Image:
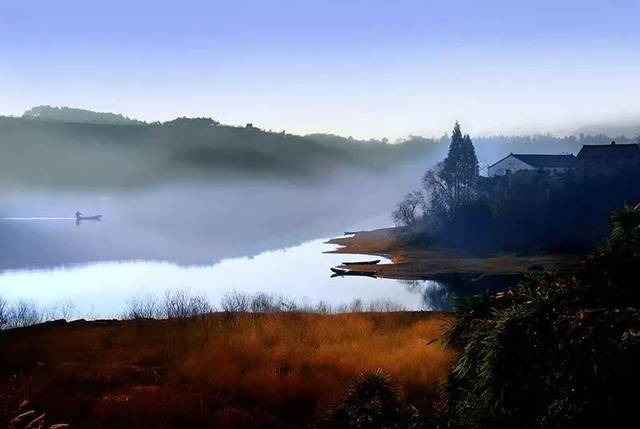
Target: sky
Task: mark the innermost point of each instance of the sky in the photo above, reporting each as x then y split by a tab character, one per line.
376	68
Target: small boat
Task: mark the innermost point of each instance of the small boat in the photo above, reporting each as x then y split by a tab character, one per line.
362	263
96	217
80	217
337	272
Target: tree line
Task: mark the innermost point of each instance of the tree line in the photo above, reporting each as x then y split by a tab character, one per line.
528	210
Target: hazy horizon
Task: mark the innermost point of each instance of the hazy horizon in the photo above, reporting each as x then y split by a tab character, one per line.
620	128
363	69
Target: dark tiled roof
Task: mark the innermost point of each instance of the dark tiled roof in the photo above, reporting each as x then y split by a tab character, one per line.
547	161
610	151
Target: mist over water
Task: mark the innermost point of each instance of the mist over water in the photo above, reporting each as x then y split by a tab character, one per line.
204	208
247	236
188	224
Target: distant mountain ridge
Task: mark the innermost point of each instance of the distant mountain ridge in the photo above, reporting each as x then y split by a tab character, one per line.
38	150
75	115
60	146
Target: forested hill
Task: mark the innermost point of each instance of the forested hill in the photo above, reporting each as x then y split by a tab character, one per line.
37	151
51	146
70	114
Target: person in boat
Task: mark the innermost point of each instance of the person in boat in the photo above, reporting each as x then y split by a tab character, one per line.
78	215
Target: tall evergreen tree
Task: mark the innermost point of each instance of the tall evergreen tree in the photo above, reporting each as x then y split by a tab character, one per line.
451	171
455	180
469	170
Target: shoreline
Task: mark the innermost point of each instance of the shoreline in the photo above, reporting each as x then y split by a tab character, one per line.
160	322
410	262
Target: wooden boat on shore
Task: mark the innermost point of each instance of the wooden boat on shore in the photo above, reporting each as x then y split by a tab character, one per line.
337	272
362	263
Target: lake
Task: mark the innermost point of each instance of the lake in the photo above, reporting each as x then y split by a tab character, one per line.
209	240
300	273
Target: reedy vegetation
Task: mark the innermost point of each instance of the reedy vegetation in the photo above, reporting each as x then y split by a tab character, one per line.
184	305
25	312
235	369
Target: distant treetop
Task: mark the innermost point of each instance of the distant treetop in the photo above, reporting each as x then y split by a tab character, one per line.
184	121
70	114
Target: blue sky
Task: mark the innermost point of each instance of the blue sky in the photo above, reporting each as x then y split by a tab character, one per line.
362	68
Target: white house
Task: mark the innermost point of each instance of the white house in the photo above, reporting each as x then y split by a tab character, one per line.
516	162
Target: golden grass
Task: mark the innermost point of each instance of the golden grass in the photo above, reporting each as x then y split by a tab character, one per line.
243	370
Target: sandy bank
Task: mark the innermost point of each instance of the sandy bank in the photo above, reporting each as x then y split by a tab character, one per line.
413	262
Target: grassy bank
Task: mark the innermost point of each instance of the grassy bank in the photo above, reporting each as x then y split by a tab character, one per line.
220	370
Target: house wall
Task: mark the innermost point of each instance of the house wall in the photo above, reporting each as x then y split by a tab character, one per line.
556	169
510	164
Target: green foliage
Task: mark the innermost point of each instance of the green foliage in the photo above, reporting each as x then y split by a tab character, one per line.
459	170
191	122
447	187
378	153
453	182
556	351
528	210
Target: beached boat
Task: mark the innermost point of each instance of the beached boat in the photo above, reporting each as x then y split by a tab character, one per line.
337	272
362	263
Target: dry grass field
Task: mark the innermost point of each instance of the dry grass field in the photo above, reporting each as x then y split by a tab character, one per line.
221	370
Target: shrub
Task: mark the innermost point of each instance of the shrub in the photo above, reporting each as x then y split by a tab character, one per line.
265	303
409	210
182	305
235	302
3	313
23	313
145	307
61	310
373	402
556	351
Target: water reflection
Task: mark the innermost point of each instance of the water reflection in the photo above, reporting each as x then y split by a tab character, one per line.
434	295
246	236
80	217
186	225
300	273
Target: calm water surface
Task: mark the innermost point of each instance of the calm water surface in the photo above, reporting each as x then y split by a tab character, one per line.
301	272
203	240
